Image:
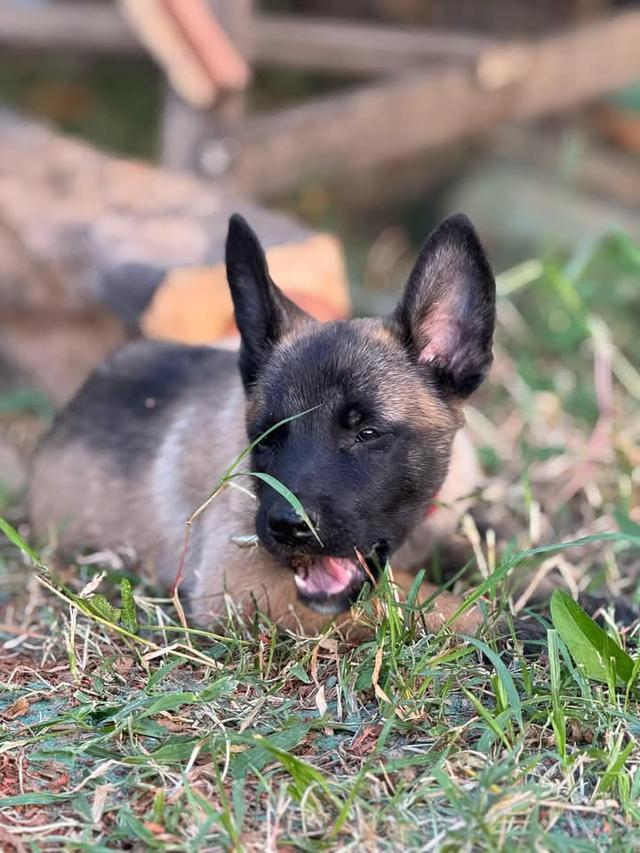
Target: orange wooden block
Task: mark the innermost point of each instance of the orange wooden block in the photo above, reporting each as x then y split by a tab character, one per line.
193	304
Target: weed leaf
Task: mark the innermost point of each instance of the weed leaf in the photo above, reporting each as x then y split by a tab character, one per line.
304	775
128	616
591	647
98	605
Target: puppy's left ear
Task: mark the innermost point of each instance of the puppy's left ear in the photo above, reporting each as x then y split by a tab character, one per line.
263	313
447	312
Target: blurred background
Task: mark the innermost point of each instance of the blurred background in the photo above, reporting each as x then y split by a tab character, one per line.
361	120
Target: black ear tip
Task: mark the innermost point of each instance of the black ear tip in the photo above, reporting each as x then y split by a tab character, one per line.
458	231
241	239
459	222
238	227
237	220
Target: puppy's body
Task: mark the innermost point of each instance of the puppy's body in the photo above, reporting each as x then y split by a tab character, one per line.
152	431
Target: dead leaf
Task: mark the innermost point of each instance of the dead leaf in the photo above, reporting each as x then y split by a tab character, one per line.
99	802
380	694
11	841
18	709
93	585
321	702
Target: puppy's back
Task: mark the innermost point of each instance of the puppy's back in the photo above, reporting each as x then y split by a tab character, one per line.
138	448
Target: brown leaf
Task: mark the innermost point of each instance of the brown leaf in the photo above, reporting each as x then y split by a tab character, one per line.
380	694
321	702
18	709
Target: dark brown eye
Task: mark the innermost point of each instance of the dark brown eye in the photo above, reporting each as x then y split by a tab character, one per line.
368	434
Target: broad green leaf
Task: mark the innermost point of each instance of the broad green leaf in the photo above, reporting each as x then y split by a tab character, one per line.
170	702
217	688
558	720
36	798
176	751
591	647
616	764
491	722
299	672
156	677
626	524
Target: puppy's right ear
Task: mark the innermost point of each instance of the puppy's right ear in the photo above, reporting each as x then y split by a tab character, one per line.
447	312
263	313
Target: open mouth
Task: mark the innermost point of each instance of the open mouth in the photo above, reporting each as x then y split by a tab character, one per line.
331	584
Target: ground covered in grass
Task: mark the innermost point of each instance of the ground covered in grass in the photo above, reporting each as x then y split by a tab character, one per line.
122	729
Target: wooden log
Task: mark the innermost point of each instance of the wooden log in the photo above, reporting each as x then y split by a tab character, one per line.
352	47
67	27
94	249
401	116
279	40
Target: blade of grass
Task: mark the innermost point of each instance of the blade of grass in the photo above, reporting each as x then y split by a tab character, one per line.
508	685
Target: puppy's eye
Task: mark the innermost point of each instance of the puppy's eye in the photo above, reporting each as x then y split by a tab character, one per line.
367	434
269	442
271	439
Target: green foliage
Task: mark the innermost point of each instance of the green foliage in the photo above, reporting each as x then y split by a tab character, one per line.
16	539
128	616
591	647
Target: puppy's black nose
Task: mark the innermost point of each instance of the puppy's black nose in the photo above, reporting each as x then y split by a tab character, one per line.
287	528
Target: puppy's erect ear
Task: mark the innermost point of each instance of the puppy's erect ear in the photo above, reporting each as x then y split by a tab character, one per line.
447	312
263	313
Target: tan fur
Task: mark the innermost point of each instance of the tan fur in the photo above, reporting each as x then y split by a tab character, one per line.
453	501
407	397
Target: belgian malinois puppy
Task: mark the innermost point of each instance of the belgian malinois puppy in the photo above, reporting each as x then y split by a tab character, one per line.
151	431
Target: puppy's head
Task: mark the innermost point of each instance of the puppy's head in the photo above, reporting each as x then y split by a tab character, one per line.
381	399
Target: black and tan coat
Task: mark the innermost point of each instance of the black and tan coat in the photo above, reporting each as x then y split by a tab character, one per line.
377	440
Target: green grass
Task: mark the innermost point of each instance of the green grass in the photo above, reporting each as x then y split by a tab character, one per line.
124	730
246	737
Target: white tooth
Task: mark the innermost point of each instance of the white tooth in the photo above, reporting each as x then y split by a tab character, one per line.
300	582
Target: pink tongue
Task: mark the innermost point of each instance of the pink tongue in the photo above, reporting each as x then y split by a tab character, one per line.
330	575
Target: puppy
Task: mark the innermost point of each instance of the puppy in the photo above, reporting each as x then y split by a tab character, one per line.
374	453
